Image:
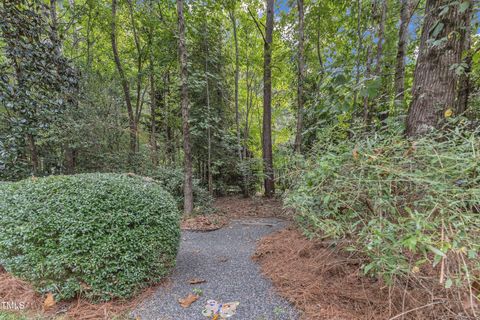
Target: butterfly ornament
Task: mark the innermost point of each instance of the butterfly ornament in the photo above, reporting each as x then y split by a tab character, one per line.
217	310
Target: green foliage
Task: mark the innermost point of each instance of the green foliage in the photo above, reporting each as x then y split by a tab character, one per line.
172	179
37	83
97	235
403	204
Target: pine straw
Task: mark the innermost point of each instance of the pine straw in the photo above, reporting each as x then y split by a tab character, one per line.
325	283
15	290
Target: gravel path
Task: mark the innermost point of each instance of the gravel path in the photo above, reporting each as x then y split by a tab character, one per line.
223	259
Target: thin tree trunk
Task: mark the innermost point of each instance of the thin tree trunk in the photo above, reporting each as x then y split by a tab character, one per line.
464	81
301	76
237	71
170	135
367	115
209	132
381	37
182	52
88	41
124	81
434	86
267	103
138	48
399	85
153	109
319	54
359	52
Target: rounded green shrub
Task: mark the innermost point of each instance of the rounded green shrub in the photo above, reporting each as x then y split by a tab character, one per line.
98	235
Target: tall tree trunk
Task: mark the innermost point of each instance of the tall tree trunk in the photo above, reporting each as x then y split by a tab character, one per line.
182	52
88	58
269	181
169	133
367	114
138	48
124	81
358	53
464	81
209	130
381	37
237	72
153	108
399	85
301	76
434	86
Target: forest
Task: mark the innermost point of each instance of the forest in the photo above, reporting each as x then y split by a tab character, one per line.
356	122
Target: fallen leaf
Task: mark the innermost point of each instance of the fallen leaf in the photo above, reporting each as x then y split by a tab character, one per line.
49	301
188	300
196	280
355	153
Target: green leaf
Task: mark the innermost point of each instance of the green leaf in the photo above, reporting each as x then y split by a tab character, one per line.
464	6
448	283
438	28
436	251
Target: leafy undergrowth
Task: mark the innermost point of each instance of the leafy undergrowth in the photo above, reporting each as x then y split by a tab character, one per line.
402	207
326	283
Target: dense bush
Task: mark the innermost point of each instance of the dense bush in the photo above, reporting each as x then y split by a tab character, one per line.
401	204
172	179
99	235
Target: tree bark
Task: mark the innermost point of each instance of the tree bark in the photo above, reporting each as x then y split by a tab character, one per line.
153	108
269	181
358	53
301	76
381	37
124	81
182	52
464	81
209	130
434	87
237	72
399	85
139	96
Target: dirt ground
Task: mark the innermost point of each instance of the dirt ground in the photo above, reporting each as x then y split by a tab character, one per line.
235	207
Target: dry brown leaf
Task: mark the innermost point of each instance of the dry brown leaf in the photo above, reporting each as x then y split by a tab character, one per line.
49	301
355	153
196	281
188	300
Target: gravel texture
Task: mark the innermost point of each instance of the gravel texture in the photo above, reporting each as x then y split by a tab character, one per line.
223	259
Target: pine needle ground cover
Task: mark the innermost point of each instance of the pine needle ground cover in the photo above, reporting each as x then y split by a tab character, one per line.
407	209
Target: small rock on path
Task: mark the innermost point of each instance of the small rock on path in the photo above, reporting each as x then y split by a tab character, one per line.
223	259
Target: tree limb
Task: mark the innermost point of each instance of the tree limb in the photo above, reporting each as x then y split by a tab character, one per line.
257	24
